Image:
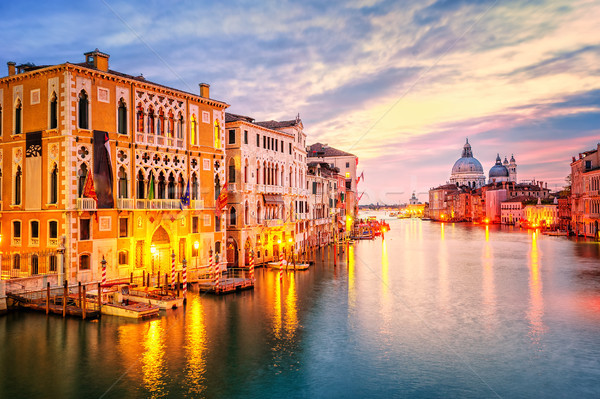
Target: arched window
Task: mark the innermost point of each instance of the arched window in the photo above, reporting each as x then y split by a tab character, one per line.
171	125
193	130
53	111
18	186
0	121
246	214
123	257
161	122
141	185
161	186
54	184
18	116
180	186
180	126
246	172
16	261
217	135
139	118
151	125
84	262
231	171
122	183
258	212
194	186
83	110
171	187
232	216
122	117
81	175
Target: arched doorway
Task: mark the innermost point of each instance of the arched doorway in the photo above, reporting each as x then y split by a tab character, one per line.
232	253
275	248
160	251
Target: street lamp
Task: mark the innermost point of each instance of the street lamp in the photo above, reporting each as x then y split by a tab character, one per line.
290	240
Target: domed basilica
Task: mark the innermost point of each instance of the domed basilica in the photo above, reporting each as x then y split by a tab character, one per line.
467	171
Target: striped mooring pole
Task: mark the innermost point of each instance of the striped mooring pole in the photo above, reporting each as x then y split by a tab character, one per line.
103	262
217	276
173	270
184	265
280	266
251	272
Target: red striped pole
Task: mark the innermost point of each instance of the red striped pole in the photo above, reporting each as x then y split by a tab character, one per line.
173	270
252	266
280	266
210	265
184	264
103	270
217	277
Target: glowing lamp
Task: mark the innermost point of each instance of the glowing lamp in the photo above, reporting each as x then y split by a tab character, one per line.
290	240
152	249
278	241
196	245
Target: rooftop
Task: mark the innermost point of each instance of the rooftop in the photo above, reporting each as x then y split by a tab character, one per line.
323	150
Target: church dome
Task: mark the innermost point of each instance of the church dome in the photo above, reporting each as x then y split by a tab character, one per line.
498	170
466	163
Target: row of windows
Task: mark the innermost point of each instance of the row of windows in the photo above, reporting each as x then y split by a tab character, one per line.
34	229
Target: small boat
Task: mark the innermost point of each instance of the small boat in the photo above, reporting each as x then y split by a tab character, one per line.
555	233
153	296
286	266
114	303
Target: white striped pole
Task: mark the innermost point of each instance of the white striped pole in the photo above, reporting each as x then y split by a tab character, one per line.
184	264
280	266
103	270
217	276
173	270
211	270
252	266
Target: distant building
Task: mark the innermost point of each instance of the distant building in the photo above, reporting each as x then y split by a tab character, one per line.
585	193
498	173
511	211
467	170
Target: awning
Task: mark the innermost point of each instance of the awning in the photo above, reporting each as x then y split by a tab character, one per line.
273	199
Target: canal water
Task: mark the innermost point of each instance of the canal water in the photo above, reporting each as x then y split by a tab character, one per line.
433	311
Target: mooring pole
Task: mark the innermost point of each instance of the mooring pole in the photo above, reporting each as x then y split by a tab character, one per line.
79	294
47	297
83	304
99	299
64	313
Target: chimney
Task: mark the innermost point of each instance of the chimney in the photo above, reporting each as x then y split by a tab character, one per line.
204	90
11	68
97	59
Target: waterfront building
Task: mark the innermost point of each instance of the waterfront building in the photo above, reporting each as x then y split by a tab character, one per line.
541	215
564	212
324	215
493	201
585	193
96	162
441	202
467	170
267	197
511	211
347	164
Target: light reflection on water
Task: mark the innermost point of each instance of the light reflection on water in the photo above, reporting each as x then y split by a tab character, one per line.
434	310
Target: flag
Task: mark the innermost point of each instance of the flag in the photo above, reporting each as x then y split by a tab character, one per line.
221	200
88	188
103	175
185	198
362	176
151	187
33	171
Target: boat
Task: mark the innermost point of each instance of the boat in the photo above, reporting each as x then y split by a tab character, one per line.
153	296
555	233
286	266
114	303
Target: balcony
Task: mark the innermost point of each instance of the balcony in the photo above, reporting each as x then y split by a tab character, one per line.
34	242
260	188
125	203
53	242
197	204
273	222
248	187
233	187
161	141
86	204
16	241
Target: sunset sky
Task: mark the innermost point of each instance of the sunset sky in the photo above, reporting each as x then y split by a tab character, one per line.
401	84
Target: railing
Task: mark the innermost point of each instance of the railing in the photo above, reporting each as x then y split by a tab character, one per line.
260	188
52	242
273	222
28	264
197	204
86	204
163	141
34	241
16	241
233	187
249	187
125	203
164	204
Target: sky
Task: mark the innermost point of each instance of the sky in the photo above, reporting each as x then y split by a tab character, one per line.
400	84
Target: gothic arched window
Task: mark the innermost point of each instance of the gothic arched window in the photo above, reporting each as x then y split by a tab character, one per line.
83	110
122	117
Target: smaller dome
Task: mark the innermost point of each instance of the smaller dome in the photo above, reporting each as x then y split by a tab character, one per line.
498	170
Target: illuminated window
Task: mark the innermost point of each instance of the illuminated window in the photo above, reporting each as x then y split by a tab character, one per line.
347	175
151	125
123	258
139	117
217	135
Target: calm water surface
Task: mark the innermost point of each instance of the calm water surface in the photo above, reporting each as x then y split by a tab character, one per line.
433	311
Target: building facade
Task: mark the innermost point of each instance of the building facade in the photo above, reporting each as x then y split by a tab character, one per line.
71	129
267	200
585	194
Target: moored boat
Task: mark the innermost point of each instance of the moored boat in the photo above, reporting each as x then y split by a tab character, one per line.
290	266
153	296
114	303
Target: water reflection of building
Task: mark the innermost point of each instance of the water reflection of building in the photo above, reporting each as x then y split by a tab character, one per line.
140	143
585	193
